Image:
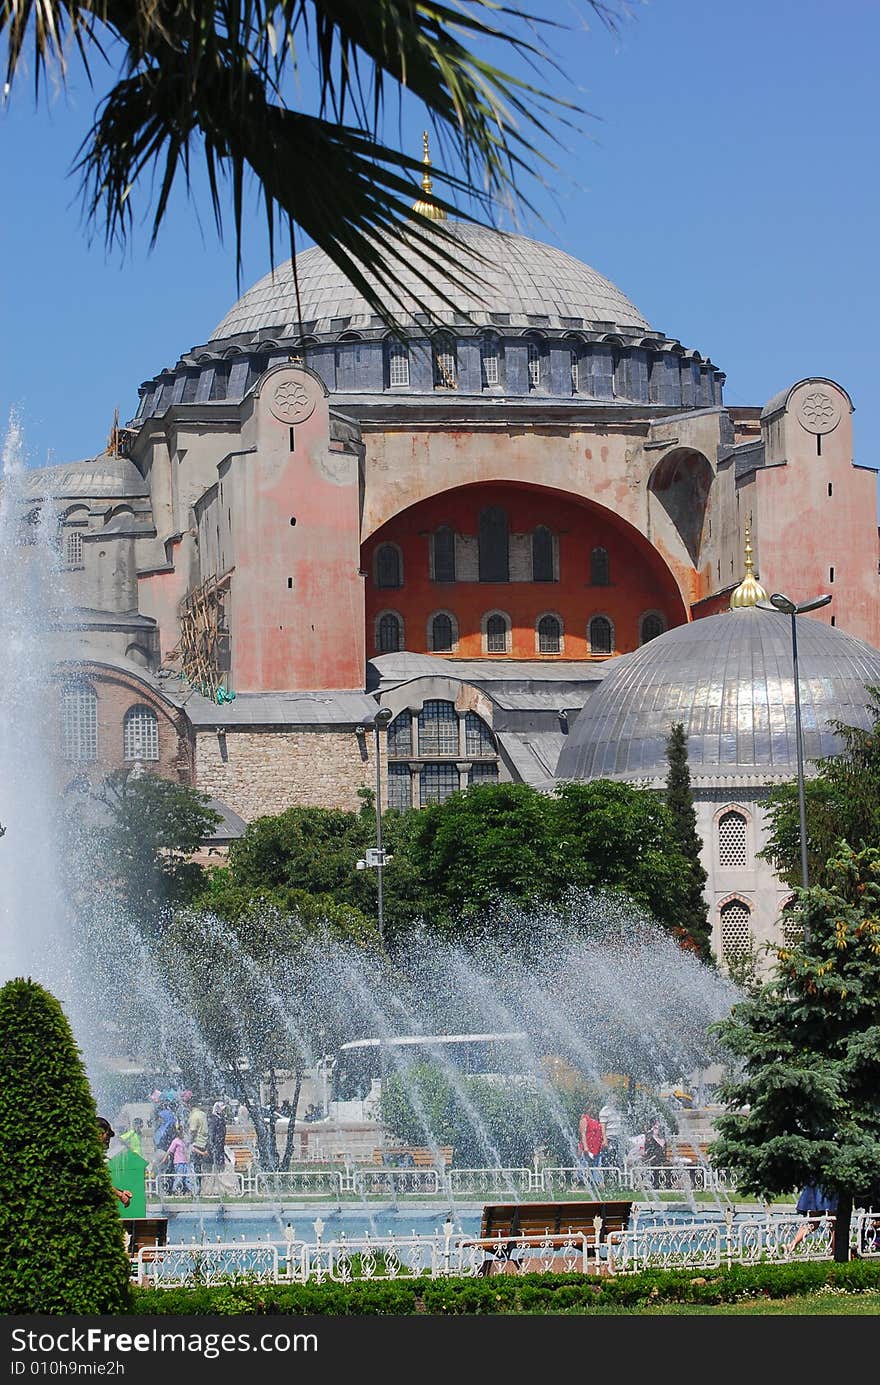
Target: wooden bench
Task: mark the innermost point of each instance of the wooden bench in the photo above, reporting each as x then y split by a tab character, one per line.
549	1224
420	1156
241	1148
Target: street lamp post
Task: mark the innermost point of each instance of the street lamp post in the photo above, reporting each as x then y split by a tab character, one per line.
793	609
380	722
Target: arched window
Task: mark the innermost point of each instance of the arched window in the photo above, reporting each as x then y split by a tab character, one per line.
398	365
600	568
389	633
490	362
652	626
732	841
399	787
443	355
437	783
444	554
140	734
79	721
400	736
792	924
443	633
72	552
389	568
497	634
535	354
736	932
542	554
549	635
479	740
575	370
438	728
601	635
494	561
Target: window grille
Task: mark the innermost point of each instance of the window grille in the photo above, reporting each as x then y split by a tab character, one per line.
652	626
489	364
140	734
438	729
601	635
445	377
398	365
388	566
494	560
390	639
736	934
792	927
483	774
73	548
534	352
437	783
79	722
600	568
542	555
479	740
444	555
442	634
399	787
732	849
400	736
549	635
496	635
575	376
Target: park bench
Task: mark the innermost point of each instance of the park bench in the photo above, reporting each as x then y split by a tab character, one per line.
420	1156
560	1225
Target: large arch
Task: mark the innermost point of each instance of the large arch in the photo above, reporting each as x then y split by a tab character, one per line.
681	481
640	579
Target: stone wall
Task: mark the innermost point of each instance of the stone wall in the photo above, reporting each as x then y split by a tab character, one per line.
259	772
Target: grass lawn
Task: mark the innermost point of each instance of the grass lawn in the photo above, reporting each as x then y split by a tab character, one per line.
812	1305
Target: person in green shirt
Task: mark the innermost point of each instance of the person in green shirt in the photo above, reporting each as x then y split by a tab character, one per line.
133	1137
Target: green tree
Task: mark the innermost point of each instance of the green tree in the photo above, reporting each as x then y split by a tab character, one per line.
842	803
804	1106
146	836
694	922
63	1249
224	80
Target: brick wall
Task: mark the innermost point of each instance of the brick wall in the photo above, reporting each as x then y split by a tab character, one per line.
116	692
257	772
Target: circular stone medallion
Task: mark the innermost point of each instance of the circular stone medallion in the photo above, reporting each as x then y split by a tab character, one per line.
292	402
818	412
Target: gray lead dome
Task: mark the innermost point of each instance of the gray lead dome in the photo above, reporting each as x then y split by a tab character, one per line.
728	679
521	279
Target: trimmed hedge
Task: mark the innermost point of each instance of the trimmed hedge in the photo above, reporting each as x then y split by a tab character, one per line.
530	1293
63	1247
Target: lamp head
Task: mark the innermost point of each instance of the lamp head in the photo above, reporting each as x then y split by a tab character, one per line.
383	716
814	603
783	603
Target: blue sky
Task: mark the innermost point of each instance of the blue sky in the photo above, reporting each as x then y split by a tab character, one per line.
728	185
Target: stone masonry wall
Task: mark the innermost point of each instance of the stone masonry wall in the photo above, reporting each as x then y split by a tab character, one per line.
257	772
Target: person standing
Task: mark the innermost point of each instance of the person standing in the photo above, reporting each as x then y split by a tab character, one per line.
105	1135
133	1137
591	1142
612	1122
180	1159
654	1152
198	1139
217	1136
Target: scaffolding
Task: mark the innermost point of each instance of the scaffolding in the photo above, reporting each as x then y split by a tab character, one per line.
203	650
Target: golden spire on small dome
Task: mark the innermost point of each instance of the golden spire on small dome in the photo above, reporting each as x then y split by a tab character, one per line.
429	209
749	592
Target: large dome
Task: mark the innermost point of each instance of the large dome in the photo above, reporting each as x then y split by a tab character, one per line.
524	283
728	678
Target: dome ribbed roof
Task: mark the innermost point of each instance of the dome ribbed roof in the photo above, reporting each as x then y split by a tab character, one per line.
522	278
728	678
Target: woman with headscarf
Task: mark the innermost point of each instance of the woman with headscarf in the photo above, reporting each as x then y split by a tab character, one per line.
217	1135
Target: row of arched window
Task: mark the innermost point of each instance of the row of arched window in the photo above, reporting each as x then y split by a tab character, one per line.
496	629
493	556
459	746
444	363
79	727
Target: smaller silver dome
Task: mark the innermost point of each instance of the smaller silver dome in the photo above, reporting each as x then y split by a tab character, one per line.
102	477
729	680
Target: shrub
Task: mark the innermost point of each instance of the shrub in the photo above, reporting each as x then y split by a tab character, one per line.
59	1224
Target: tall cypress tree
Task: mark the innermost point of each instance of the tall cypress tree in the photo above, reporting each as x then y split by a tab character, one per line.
693	930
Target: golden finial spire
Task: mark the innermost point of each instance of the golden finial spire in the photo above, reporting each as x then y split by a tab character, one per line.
749	592
429	209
